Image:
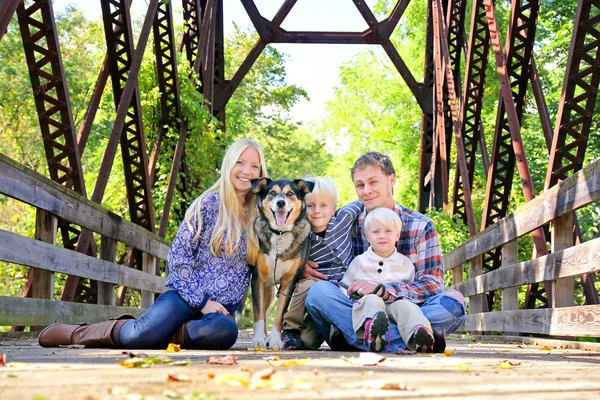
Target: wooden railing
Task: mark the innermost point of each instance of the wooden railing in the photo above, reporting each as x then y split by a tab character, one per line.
51	201
555	206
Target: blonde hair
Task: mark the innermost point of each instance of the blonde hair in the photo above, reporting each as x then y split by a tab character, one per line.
323	187
233	217
385	217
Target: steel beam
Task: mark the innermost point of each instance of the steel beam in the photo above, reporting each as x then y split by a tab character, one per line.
7	10
508	147
444	64
471	106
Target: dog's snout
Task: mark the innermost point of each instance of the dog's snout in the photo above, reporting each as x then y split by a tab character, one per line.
280	203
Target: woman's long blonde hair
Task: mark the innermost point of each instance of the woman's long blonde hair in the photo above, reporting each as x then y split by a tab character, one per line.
233	216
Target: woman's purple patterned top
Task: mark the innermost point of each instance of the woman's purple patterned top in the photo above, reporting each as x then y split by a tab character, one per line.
198	275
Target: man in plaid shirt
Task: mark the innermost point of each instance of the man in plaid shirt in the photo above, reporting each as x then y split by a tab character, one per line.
374	177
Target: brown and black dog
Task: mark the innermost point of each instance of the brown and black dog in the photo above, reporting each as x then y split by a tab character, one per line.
284	242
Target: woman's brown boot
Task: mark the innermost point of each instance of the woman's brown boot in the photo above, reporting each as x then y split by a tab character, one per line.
94	335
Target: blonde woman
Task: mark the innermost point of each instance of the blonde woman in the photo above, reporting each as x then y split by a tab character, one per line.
209	275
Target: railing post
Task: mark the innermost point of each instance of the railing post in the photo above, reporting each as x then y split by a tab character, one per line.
46	225
148	266
562	238
42	285
510	296
457	274
108	252
478	302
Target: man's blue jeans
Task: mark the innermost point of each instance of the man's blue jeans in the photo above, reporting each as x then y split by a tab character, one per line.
327	305
169	312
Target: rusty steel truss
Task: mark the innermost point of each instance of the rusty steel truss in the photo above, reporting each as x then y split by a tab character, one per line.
451	101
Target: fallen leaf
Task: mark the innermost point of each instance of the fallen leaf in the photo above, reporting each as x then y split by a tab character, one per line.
545	348
367	373
177	378
377	384
462	367
222	360
180	363
275	383
505	351
72	346
17	364
301	384
447	353
11	375
289	363
365	359
432	368
211	375
173	348
271	358
263	373
232	379
2	360
139	362
170	394
504	365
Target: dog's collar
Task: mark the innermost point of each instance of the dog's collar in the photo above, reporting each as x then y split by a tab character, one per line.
276	231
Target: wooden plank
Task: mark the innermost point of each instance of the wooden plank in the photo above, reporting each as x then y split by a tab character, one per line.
564	321
563	289
573	261
108	252
477	303
42	286
42	312
21	183
579	190
149	267
510	295
24	251
457	274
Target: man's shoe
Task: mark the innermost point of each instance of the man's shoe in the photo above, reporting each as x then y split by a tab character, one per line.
337	341
377	332
292	340
439	341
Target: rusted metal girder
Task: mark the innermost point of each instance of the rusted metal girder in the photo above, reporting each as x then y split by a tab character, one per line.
7	10
427	188
444	69
128	126
192	18
576	107
508	149
578	98
471	106
46	71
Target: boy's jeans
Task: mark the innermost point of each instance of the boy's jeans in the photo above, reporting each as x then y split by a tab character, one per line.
327	306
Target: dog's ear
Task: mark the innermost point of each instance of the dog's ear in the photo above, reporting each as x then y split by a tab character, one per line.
259	184
304	186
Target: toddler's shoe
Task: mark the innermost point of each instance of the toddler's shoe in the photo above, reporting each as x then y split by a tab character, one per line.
421	340
377	332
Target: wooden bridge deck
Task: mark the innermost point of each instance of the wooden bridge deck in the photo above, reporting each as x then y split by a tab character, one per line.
542	369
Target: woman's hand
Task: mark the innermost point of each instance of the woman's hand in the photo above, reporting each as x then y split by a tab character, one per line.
310	272
213	306
362	287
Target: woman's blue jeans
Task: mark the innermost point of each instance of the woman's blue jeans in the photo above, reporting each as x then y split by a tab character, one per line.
327	305
169	312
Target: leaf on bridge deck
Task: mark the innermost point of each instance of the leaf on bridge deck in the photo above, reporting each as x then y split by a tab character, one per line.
289	363
222	360
365	359
173	348
2	360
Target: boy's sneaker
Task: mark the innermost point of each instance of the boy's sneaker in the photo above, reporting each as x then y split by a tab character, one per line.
376	332
440	341
291	339
422	340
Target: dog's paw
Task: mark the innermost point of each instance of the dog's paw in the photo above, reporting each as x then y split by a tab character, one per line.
259	340
275	340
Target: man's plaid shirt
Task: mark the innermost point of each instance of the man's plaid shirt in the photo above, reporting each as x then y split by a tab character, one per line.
418	241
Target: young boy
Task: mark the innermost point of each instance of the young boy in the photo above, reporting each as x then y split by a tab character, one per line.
381	264
331	249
